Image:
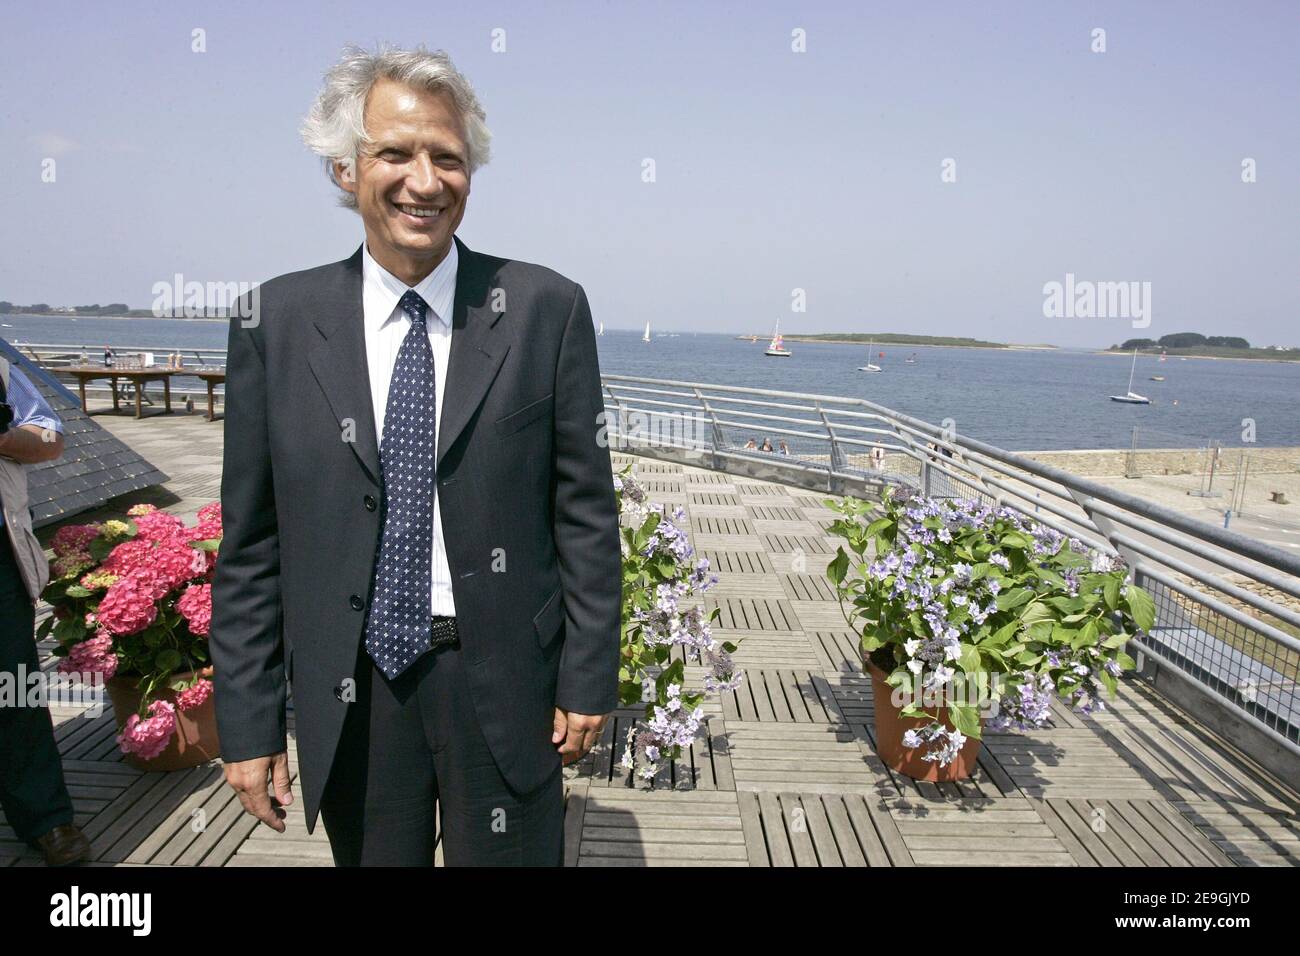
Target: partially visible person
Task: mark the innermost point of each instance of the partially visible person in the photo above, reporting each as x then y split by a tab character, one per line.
33	793
767	445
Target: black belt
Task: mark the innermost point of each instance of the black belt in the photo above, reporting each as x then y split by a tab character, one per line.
442	631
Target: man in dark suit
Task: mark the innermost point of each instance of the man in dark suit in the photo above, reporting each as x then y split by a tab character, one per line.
421	533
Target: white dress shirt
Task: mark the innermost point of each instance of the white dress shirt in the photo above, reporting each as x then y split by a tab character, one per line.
386	326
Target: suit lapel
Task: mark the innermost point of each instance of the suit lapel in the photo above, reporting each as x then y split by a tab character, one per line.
338	359
477	348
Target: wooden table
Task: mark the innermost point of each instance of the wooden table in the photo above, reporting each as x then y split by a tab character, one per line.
138	376
212	378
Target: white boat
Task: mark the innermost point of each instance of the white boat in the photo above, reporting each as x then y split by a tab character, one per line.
1132	398
870	366
601	330
646	336
777	347
910	360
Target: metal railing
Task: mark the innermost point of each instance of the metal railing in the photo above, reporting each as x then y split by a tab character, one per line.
1226	643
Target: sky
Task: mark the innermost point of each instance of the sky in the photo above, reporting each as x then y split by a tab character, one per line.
815	186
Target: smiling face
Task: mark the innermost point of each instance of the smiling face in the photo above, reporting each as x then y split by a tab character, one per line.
411	180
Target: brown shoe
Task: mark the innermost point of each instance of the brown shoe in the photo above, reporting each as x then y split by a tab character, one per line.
63	845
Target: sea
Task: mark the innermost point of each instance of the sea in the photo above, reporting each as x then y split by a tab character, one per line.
1018	399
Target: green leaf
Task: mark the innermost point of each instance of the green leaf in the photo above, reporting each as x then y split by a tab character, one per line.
969	659
69	629
1036	612
877	526
1111	589
167	660
77	591
838	567
871	640
1008	600
966	719
1141	607
1002	635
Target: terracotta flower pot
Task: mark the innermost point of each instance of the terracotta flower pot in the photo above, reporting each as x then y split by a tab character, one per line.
195	739
890	727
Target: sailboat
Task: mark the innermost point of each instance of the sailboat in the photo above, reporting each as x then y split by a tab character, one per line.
601	330
1132	398
910	360
870	366
777	348
646	336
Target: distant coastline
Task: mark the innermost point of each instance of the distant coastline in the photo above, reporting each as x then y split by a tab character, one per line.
132	314
1214	354
900	338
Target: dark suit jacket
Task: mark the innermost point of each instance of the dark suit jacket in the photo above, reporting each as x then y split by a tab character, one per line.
522	478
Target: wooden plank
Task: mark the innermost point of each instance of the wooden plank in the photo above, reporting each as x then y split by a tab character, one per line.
1063	833
845	836
1194	846
575	809
795	819
751	821
780	852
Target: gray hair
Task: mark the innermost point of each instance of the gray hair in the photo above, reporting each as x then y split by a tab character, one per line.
335	128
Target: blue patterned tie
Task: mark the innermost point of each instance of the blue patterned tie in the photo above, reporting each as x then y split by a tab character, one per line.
398	624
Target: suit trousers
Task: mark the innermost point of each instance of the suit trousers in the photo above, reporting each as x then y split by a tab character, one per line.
413	745
33	794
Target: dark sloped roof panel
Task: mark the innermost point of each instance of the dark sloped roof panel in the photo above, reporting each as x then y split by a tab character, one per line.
96	465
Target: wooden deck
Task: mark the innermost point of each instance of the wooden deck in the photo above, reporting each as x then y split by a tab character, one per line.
787	775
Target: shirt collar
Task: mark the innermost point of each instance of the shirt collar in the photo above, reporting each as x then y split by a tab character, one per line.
438	288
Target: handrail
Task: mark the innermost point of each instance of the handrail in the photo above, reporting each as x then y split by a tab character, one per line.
1156	541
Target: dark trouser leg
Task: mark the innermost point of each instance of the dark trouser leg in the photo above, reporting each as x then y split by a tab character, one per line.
32	792
378	806
484	822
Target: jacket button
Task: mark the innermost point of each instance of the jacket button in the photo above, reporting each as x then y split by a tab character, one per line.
370	502
356	602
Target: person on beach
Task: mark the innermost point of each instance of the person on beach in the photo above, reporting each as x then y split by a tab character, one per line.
421	529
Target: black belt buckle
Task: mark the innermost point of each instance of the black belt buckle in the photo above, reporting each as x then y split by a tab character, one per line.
442	632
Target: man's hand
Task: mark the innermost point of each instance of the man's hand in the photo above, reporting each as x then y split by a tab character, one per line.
576	733
248	779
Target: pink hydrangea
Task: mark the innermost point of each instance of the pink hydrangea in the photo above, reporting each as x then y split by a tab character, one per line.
160	527
70	564
98	581
192	697
149	737
128	556
195	606
93	656
209	523
174	564
74	539
129	605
